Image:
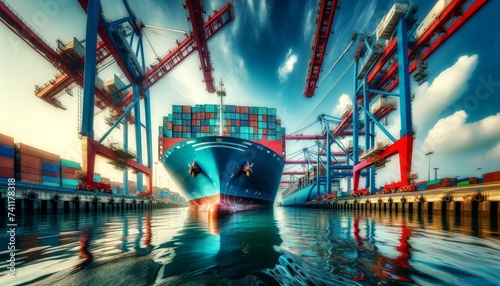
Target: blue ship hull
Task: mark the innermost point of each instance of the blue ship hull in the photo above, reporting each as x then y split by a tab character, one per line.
305	194
221	177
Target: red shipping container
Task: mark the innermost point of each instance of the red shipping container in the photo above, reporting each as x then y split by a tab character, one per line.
30	170
169	125
26	149
6	140
228	122
237	122
50	173
30	161
68	170
6	162
30	178
205	129
186	109
6	172
264	118
203	115
184	129
238	109
278	121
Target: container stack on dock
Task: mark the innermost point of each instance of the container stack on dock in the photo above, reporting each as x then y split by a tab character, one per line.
36	166
251	123
51	170
69	170
491	177
6	156
440	183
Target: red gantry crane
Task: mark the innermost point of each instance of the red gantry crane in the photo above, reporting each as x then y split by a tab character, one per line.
326	12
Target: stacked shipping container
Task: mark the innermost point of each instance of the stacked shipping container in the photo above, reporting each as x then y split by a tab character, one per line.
69	170
491	177
250	123
36	166
6	156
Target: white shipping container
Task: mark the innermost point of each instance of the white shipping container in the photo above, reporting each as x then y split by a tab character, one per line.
386	27
75	48
383	102
113	84
431	17
345	111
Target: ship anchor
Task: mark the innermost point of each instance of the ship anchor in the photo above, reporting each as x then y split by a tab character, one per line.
194	169
247	169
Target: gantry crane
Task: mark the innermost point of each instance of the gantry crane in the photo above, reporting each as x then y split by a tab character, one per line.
132	63
326	11
380	69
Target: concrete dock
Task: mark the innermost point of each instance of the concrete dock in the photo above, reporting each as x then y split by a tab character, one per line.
29	201
479	199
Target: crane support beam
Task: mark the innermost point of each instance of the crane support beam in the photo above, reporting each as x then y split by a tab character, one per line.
326	11
384	76
28	35
131	72
92	148
185	48
404	147
89	73
54	88
196	11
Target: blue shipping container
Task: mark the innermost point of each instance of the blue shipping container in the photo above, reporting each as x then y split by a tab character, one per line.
6	151
48	179
51	167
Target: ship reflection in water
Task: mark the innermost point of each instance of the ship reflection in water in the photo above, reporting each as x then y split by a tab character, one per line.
283	246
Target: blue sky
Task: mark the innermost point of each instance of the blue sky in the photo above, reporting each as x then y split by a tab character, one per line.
262	57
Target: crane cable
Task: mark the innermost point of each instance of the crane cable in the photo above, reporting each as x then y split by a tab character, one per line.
151	45
338	60
333	86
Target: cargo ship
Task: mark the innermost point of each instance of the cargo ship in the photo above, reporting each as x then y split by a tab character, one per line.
239	168
306	189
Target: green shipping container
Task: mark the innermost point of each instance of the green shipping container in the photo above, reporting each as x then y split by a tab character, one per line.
433	182
464	183
70	164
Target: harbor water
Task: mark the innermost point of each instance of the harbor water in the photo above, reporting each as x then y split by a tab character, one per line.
283	246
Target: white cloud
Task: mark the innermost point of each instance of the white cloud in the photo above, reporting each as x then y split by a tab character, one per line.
232	59
447	87
452	134
495	152
287	66
308	20
344	100
259	11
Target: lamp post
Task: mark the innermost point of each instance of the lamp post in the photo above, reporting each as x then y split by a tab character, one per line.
435	173
429	168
